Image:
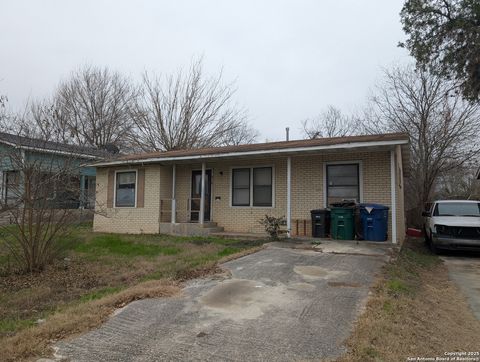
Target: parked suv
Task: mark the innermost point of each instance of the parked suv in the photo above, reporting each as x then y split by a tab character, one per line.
453	224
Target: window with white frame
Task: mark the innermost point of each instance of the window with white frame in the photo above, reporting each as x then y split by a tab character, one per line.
125	187
252	186
343	182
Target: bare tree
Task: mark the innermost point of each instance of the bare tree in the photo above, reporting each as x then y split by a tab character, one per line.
443	127
39	200
330	123
459	183
3	113
45	121
242	134
92	107
186	111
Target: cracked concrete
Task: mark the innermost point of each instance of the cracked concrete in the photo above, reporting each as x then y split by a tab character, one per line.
280	304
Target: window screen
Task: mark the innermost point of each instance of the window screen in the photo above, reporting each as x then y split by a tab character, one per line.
343	183
125	189
241	187
262	186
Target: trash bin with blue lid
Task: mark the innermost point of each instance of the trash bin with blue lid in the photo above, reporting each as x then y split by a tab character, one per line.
374	220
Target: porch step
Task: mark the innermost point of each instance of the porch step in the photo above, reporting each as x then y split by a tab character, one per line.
190	229
216	229
239	236
208	224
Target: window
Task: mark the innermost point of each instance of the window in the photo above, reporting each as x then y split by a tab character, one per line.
241	187
262	186
125	189
47	185
90	187
343	183
12	186
252	187
457	209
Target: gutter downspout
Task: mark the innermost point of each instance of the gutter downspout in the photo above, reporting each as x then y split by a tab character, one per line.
202	196
393	185
174	201
289	195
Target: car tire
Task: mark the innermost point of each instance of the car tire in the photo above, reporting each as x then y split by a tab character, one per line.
426	237
433	248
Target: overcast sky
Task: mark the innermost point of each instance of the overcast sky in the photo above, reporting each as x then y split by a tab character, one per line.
290	59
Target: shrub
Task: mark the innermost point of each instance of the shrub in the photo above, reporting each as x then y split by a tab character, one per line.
272	225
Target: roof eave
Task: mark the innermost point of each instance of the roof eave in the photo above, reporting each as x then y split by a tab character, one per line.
253	153
47	150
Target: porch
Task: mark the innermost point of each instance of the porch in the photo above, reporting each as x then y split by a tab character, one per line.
204	198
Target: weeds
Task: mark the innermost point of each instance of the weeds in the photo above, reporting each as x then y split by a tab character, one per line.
95	268
414	300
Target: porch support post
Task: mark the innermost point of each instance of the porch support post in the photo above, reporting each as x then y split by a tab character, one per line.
83	198
202	195
174	201
289	195
2	187
393	189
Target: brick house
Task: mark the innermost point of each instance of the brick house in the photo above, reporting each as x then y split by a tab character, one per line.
231	188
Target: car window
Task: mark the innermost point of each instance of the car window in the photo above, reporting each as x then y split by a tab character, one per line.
457	209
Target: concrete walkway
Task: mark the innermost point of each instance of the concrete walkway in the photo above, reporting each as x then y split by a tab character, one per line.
464	270
280	304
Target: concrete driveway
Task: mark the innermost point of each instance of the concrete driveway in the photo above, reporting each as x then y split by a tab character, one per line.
464	270
280	304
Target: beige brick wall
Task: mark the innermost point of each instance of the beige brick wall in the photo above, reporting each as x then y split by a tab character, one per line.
246	219
307	192
129	220
308	180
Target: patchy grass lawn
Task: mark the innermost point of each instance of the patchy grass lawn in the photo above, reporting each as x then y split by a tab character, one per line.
415	311
95	274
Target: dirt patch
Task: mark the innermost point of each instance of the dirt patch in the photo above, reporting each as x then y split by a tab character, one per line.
316	272
23	296
231	294
304	287
311	271
415	310
240	299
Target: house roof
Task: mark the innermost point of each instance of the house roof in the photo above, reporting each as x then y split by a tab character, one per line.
39	145
263	148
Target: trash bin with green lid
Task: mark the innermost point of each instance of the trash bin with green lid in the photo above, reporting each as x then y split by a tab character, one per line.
342	224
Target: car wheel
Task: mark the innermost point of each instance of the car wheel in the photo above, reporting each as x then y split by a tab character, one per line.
426	237
433	248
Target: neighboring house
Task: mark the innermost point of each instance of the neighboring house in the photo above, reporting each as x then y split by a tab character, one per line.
47	154
231	188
